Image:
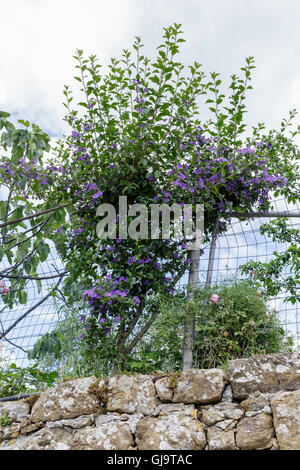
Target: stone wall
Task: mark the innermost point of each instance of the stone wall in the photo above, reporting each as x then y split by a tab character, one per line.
255	405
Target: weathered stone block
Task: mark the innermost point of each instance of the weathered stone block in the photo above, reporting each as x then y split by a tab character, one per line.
16	410
115	435
220	440
173	432
131	420
163	389
199	386
132	394
255	433
286	415
67	400
44	439
264	373
211	415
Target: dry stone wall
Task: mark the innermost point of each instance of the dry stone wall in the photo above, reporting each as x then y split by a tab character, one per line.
255	405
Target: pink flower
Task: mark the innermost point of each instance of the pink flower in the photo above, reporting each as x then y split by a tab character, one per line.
5	290
214	298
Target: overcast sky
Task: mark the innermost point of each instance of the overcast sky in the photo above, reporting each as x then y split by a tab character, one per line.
39	37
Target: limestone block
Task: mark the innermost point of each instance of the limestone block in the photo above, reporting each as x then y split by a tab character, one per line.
255	433
286	416
16	410
115	435
199	386
132	394
67	400
264	373
173	432
219	439
211	415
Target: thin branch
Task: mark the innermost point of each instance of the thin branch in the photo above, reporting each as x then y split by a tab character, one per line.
15	266
34	278
15	345
146	327
132	324
2	335
40	224
15	221
141	332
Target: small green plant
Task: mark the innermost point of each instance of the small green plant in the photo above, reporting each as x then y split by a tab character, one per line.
5	419
173	379
16	380
101	392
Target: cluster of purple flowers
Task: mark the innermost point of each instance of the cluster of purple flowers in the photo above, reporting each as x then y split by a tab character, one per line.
221	178
107	301
22	173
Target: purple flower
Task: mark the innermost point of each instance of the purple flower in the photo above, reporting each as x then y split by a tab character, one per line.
76	135
98	194
137	300
122	294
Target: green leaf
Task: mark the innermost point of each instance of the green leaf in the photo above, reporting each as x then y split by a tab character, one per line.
43	250
25	123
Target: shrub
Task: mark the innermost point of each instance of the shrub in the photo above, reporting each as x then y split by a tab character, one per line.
232	320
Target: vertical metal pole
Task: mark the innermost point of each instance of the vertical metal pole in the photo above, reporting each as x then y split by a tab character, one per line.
210	269
212	253
189	331
189	327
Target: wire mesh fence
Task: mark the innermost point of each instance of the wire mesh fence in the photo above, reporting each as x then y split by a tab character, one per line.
242	243
25	324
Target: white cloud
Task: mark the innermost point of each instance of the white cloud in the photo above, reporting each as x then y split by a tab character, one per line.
38	40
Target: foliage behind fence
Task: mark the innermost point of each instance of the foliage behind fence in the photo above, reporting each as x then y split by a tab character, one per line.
241	243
